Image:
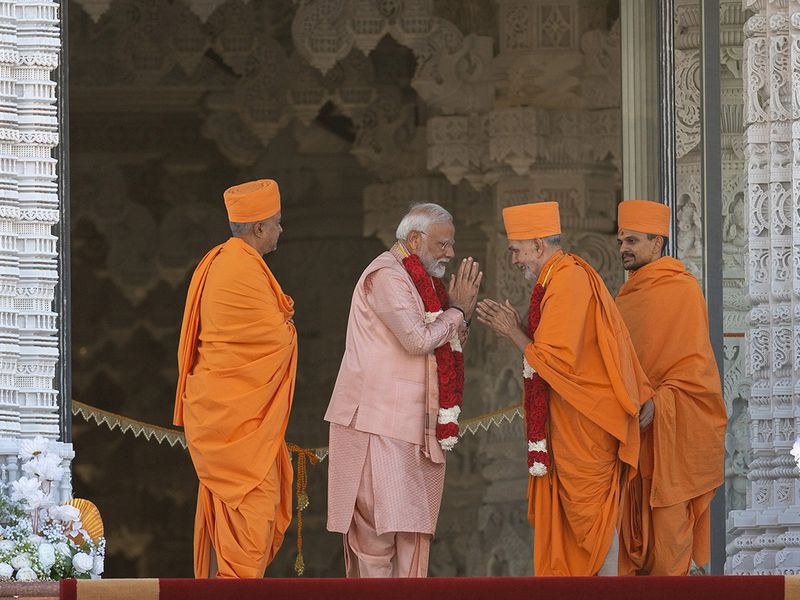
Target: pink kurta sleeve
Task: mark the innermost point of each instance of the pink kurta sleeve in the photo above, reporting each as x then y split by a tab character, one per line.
394	300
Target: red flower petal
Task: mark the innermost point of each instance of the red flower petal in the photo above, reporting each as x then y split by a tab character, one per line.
536	391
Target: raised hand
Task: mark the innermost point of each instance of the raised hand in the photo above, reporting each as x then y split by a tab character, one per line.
503	319
464	286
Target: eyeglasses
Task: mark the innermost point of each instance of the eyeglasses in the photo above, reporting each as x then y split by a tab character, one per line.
443	245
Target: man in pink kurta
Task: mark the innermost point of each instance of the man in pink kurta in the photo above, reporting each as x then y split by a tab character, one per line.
386	470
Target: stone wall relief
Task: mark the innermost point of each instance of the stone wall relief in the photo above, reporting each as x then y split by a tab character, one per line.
531	31
389	141
737	438
687	100
689	214
386	203
274	89
601	51
453	70
515	140
689	201
770	156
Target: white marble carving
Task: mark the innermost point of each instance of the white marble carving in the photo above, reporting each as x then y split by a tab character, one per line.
764	531
30	44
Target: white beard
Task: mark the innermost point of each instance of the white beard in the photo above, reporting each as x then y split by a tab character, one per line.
528	274
435	268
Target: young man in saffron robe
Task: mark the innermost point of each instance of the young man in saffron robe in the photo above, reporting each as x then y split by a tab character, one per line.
583	353
666	515
237	360
386	465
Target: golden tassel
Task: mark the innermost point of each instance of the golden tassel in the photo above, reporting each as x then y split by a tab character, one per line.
302	499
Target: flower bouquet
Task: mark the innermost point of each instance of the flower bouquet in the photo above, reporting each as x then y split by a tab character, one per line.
39	538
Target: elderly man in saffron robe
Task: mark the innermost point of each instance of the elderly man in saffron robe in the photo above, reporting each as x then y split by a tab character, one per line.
583	389
666	515
396	401
237	360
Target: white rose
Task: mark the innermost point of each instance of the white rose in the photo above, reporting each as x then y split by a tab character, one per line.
82	562
21	561
46	467
26	574
99	566
35	539
30	449
64	513
26	488
6	570
63	549
6	546
47	555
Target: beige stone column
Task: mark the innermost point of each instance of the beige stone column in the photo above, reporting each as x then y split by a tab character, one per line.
640	130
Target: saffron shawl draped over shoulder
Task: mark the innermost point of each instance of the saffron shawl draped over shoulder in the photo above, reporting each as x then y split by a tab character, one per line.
237	360
583	351
682	452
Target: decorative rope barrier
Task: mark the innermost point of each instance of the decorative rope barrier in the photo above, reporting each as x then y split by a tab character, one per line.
126	425
175	437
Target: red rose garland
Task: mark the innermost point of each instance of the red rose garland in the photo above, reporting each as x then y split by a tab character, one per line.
449	357
537	396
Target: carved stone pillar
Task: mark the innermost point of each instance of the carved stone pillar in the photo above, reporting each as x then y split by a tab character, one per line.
29	208
640	118
736	386
766	540
689	202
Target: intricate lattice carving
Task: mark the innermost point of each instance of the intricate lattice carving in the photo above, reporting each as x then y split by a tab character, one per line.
687	101
29	202
772	277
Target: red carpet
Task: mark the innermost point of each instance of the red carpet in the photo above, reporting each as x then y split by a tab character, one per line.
478	588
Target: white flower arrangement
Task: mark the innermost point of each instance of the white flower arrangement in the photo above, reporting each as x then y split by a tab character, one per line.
40	539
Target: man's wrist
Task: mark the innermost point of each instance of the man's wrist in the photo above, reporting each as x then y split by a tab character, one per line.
461	310
519	338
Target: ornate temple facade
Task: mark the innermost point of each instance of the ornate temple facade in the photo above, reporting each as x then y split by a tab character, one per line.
358	108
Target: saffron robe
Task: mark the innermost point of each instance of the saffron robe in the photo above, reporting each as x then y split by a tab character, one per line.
237	362
682	454
582	350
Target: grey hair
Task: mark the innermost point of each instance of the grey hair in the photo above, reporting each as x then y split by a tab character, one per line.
421	216
240	229
552	240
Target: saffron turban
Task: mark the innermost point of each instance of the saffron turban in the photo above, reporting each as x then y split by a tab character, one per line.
532	221
253	201
644	216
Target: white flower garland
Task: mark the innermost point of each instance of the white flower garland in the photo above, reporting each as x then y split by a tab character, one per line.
447	415
527	370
